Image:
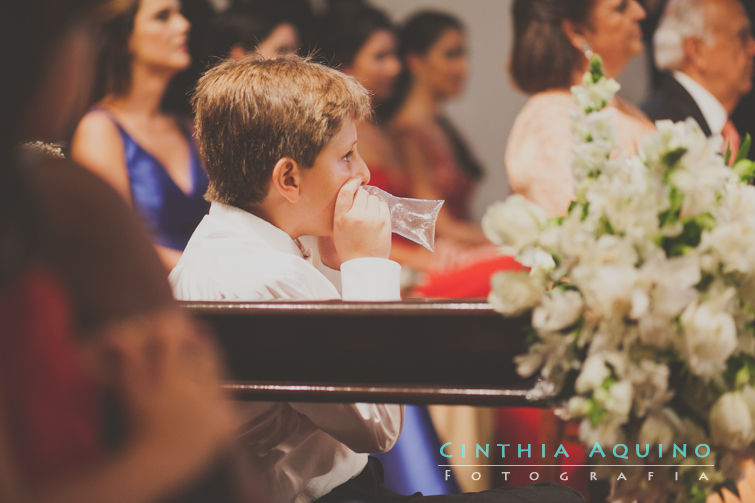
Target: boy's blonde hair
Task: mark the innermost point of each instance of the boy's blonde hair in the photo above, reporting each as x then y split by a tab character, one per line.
250	113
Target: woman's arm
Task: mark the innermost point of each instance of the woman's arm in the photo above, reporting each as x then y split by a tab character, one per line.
97	146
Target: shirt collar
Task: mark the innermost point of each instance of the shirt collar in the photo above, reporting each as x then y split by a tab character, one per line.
713	111
246	223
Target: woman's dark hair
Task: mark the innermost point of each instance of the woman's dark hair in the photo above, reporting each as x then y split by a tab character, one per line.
346	28
417	35
420	32
243	25
542	56
37	26
114	60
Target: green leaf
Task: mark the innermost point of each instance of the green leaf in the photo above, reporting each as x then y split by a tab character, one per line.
585	210
530	335
596	413
744	149
727	154
605	227
609	382
692	231
672	157
671	215
572	206
596	69
706	279
740	371
745	170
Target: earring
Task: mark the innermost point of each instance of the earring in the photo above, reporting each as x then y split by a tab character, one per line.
587	50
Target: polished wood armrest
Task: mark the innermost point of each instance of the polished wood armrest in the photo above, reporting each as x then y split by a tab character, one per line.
418	351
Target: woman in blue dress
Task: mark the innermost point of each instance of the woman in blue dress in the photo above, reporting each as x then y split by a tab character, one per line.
146	153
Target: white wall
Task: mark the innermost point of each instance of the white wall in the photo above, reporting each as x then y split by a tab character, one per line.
487	110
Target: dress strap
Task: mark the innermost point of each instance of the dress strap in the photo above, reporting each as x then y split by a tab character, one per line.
112	117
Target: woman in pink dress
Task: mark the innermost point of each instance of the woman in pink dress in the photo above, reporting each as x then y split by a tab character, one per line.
552	43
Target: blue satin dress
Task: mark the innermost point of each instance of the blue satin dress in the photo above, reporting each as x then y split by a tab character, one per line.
170	214
412	465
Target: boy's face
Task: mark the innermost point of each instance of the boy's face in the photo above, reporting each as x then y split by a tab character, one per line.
337	163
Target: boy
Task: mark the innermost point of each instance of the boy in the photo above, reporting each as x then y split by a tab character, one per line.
283	163
278	140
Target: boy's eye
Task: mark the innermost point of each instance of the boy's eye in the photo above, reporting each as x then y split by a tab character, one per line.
348	156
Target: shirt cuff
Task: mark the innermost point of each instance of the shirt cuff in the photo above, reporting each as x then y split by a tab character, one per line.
333	275
370	279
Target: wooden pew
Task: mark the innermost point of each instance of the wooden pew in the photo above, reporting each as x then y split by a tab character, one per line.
418	351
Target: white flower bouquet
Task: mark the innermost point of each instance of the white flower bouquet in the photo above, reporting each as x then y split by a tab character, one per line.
642	300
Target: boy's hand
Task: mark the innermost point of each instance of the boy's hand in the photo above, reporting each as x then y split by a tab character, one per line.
328	253
361	224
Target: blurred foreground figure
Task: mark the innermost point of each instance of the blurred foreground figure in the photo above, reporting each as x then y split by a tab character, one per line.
107	392
553	42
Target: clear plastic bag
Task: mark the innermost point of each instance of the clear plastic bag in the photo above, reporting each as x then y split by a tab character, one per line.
413	219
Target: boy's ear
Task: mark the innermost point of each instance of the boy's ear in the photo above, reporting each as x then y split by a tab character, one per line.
286	179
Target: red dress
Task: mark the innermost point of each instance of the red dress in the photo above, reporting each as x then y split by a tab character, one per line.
52	410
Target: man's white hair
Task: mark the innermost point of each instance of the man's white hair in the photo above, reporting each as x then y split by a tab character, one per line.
682	19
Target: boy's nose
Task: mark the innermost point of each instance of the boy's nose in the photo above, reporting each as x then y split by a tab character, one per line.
362	171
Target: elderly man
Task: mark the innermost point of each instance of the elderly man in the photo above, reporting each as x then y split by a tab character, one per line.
706	48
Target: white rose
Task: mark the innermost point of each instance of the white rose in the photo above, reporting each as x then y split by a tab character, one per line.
709	338
577	406
650	381
515	222
730	422
732	243
619	399
539	261
551	355
658	428
594	372
513	293
606	433
559	309
607	289
593	96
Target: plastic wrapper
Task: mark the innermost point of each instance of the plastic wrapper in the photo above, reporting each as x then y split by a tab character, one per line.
413	219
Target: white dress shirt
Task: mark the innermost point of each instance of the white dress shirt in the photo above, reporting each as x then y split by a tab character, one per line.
303	450
713	111
235	255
